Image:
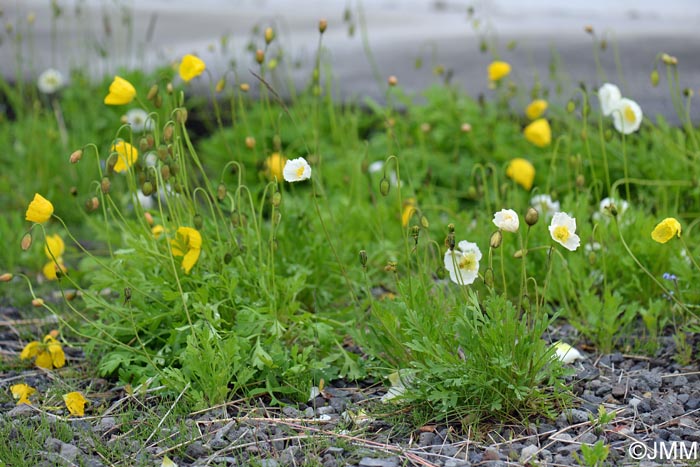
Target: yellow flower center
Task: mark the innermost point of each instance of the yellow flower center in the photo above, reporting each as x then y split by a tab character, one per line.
467	262
300	171
561	233
629	114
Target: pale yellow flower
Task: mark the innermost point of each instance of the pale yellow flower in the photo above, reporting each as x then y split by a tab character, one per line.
539	133
521	171
191	66
498	70
22	392
666	230
75	403
49	354
121	92
40	210
535	109
127	156
188	244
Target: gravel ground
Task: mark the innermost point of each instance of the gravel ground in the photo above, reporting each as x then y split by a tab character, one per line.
656	402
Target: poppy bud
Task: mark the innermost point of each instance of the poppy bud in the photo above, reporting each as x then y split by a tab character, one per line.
322	25
198	221
105	185
571	106
384	186
450	228
245	87
276	199
669	59
221	192
580	181
7	277
276	218
393	80
249	142
415	232
181	115
654	77
76	156
169	88
38	302
519	254
174	168
531	216
363	258
165	172
26	241
149	218
259	56
466	128
450	241
147	188
111	162
496	239
152	92
162	152
269	35
424	222
143	144
488	277
220	85
73	191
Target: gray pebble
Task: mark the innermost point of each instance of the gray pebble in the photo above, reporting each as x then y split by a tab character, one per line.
269	463
329	461
291	412
335	450
197	450
52	444
70	452
105	424
619	391
425	439
527	453
374	462
588	438
20	411
604	389
309	412
325	410
455	463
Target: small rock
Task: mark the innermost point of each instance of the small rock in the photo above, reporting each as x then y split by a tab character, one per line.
329	461
325	410
679	381
687	422
106	424
70	452
291	412
22	410
425	439
269	463
527	453
335	451
619	391
52	444
455	463
588	438
309	412
197	450
604	389
692	403
374	462
491	455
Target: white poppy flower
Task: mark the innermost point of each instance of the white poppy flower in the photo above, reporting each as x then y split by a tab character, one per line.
50	81
620	205
562	229
609	96
463	262
592	247
296	170
566	353
399	380
506	219
627	116
544	205
139	120
375	167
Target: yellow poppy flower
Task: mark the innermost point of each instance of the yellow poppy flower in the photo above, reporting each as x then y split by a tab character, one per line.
535	109
666	230
52	269
498	70
188	244
49	354
127	156
22	392
121	92
157	231
54	247
274	166
539	133
521	171
40	209
75	402
409	209
191	67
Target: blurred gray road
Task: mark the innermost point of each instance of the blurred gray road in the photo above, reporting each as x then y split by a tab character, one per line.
103	36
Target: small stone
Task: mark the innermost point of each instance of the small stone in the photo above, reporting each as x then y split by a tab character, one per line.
578	416
335	451
22	410
527	453
291	412
374	462
106	424
588	438
425	439
692	403
491	455
604	389
70	452
269	463
52	444
309	412
687	422
619	391
197	450
455	463
679	381
329	461
325	410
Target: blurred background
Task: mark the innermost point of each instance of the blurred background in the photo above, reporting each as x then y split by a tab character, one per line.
418	41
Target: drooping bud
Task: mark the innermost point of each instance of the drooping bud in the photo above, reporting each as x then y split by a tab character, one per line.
38	302
249	142
6	277
654	77
76	156
322	25
221	192
424	222
519	254
105	185
245	87
580	181
276	199
168	132
571	106
450	228
147	188
165	172
149	218
259	56
198	221
181	115
393	80
363	258
26	241
415	232
269	35
152	93
384	186
669	59
496	239
450	241
531	216
488	277
162	152
169	88
111	162
92	204
588	29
